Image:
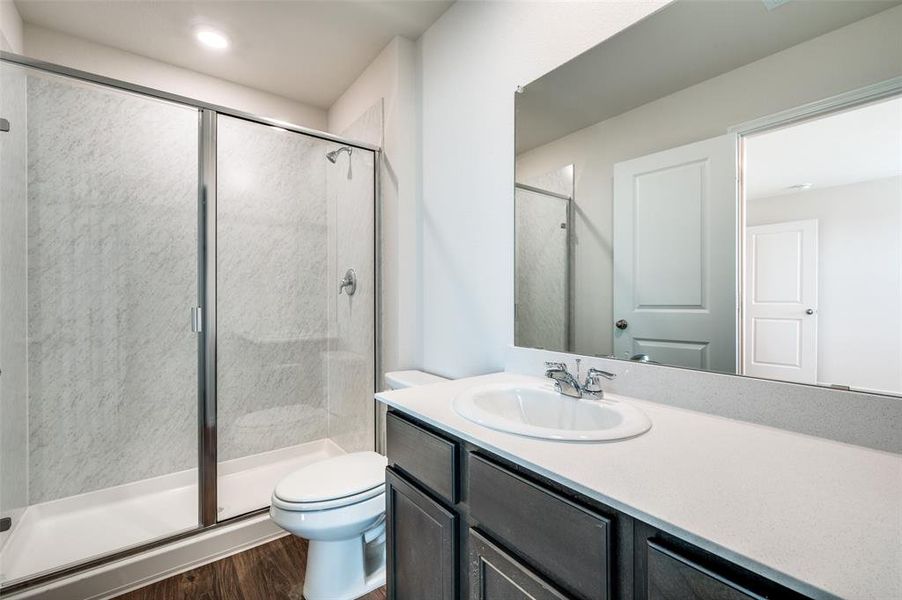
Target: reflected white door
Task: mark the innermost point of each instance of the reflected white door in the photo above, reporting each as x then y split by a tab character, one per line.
781	301
675	281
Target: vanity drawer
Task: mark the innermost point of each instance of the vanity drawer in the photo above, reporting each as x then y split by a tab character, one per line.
422	455
559	539
495	575
674	577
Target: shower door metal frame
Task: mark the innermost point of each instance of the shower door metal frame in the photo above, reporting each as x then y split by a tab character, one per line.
207	461
206	301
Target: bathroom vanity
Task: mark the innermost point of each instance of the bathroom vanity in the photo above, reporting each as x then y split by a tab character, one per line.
689	509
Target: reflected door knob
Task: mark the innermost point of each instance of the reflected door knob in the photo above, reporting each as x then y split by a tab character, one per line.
621	324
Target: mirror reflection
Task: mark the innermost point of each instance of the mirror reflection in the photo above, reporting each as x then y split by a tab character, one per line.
719	187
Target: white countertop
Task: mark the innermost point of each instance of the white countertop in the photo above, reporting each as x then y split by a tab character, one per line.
821	517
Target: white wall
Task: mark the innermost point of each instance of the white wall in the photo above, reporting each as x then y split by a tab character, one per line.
391	79
859	336
868	51
52	46
10	27
471	61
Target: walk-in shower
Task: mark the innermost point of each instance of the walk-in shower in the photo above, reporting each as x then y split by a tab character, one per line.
172	337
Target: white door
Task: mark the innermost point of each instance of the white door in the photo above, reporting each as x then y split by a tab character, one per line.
675	256
780	304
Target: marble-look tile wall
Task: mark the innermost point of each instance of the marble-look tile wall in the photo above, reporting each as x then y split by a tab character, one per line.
273	291
13	295
112	223
351	359
541	262
295	358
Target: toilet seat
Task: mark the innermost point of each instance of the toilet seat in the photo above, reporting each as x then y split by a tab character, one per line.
326	504
332	483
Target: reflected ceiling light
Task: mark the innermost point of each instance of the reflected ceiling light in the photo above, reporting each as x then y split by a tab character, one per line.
800	187
772	4
212	39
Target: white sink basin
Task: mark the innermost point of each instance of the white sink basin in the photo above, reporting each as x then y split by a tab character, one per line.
541	412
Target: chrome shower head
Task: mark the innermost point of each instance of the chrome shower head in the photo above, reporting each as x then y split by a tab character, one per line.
333	156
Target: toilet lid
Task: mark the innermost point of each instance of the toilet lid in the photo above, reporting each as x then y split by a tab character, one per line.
333	478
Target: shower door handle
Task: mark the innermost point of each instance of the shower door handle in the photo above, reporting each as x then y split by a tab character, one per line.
197	319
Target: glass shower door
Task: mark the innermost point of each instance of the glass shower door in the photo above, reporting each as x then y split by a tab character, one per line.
542	283
295	357
98	271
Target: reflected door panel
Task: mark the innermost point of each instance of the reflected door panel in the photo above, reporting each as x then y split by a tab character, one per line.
675	256
781	301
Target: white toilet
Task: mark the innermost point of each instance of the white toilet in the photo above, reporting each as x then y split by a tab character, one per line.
338	504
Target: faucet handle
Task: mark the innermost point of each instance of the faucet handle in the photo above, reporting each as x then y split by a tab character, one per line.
557	366
593	372
593	381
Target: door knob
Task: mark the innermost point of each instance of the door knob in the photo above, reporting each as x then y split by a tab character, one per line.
621	324
810	311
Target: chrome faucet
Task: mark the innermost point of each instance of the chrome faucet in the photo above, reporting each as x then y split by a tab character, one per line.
564	381
568	385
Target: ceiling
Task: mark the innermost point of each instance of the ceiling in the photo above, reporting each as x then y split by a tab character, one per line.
661	55
857	145
309	51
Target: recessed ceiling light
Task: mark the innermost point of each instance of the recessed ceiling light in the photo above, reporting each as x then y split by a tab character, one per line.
801	186
212	39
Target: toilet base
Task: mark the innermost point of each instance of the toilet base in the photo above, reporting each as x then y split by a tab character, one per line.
362	569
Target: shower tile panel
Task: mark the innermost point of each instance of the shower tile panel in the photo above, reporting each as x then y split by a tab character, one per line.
272	288
112	221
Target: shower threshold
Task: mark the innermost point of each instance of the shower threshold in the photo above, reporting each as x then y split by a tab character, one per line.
61	532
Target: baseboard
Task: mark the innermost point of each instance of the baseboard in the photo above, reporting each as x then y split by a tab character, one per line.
137	571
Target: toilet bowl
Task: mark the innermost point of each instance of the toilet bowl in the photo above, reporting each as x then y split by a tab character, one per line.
338	505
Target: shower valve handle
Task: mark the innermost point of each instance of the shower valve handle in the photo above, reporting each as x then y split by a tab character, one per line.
348	283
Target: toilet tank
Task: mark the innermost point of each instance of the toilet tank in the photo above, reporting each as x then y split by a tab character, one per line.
398	380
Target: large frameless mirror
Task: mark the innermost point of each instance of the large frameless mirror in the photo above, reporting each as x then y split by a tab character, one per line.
719	187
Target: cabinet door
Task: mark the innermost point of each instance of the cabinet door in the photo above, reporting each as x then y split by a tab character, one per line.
667	568
420	550
673	577
563	541
422	456
495	575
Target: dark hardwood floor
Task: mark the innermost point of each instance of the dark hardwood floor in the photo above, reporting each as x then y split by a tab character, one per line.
273	571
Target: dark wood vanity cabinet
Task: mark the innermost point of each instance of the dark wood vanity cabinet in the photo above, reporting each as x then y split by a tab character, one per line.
421	543
465	524
563	541
493	574
672	577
